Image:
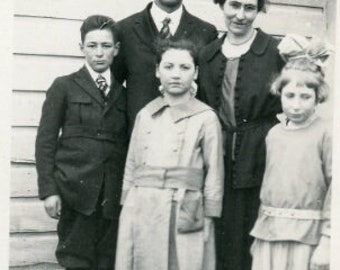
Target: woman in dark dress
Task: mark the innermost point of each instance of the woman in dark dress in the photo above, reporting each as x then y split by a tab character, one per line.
235	75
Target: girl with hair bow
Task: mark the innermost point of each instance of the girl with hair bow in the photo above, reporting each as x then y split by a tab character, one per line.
292	231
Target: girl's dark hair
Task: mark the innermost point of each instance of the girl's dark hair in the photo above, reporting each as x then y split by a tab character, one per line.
99	22
261	4
303	72
163	45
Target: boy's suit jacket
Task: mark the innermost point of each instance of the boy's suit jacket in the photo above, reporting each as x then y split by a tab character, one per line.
81	143
136	61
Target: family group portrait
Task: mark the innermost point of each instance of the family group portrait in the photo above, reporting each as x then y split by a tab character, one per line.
172	135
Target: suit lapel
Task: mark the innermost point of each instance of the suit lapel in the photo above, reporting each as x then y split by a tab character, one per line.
84	80
145	28
186	25
115	90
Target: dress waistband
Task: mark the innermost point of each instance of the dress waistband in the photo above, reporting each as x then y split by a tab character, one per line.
291	213
172	177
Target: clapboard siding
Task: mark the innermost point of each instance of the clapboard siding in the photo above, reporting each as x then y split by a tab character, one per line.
32	248
37	72
39	266
46	45
23	141
23	180
31	218
30	104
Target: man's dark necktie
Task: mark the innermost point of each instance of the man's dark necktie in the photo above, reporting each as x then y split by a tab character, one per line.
102	85
165	31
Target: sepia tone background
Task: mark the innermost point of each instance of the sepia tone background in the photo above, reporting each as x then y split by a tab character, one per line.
45	45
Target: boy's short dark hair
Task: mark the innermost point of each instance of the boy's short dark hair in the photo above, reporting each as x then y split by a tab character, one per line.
164	45
99	22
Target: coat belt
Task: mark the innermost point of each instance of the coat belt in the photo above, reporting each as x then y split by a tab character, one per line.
172	177
92	132
291	213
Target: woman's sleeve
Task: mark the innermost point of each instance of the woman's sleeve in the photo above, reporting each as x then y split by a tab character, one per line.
46	144
130	164
214	167
327	169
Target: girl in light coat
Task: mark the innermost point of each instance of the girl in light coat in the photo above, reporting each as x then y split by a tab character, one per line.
173	182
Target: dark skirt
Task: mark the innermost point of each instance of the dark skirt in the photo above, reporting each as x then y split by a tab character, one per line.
240	210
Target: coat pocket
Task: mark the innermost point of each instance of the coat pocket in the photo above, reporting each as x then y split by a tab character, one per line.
80	107
190	216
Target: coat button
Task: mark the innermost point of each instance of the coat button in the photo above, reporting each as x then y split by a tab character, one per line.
81	182
244	120
145	147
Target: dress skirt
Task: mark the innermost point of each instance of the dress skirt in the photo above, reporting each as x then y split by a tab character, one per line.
148	237
281	255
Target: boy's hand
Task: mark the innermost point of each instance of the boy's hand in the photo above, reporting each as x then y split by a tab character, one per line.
53	206
321	255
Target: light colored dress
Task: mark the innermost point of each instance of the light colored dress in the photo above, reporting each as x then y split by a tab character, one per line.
173	179
295	196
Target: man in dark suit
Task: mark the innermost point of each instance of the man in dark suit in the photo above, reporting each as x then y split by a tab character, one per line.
80	152
136	60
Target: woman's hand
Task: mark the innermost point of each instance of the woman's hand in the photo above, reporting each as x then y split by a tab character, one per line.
321	255
207	227
53	206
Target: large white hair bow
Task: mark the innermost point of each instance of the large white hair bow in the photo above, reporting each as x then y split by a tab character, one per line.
294	46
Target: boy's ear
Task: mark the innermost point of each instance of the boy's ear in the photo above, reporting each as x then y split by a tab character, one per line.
117	47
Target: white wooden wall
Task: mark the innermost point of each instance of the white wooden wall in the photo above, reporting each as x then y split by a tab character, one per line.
46	38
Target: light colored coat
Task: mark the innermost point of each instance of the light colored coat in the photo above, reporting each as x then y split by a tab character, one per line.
184	137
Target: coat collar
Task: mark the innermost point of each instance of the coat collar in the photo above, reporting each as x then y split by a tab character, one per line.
144	26
177	112
146	29
84	79
258	47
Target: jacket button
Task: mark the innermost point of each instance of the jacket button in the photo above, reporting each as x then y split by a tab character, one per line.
244	120
81	182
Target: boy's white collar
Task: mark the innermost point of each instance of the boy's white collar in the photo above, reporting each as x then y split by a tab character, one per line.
94	75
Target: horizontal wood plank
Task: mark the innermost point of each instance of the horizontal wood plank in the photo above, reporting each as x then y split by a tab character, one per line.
40	266
28	215
23	144
38	72
30	249
23	180
28	108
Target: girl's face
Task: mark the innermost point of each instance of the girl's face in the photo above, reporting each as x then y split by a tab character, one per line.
298	102
240	15
176	72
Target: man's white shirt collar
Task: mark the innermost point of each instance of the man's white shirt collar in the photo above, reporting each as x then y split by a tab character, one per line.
158	15
94	75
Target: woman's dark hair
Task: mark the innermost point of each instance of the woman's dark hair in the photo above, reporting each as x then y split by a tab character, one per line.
163	45
261	4
99	22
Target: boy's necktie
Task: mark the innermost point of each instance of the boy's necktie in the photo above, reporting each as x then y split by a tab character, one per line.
165	31
102	85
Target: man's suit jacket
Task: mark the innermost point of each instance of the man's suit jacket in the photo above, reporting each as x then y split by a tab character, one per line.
81	143
136	61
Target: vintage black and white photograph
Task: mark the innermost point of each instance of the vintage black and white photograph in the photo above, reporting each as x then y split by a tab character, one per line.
169	135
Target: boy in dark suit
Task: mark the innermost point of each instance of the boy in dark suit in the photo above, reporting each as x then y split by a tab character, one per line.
80	152
136	60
